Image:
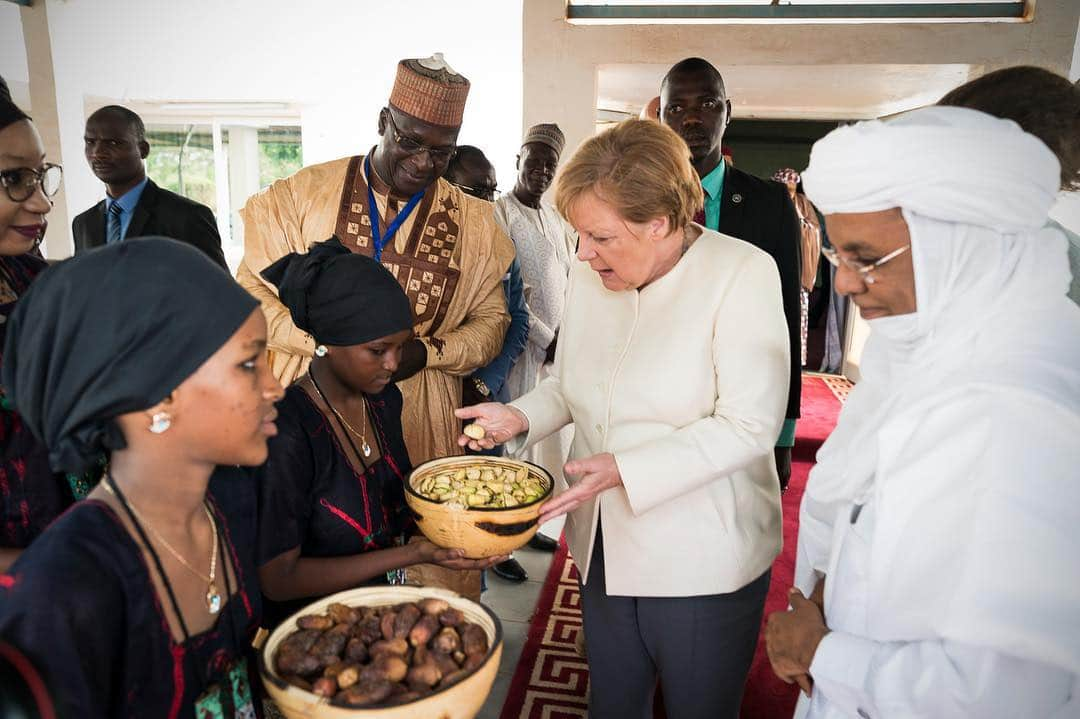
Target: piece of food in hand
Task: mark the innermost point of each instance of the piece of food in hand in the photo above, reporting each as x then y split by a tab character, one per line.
475	431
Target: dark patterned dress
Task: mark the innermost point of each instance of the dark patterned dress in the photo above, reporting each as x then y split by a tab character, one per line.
311	496
81	604
31	494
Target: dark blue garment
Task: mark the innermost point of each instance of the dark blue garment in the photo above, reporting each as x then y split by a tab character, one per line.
517	336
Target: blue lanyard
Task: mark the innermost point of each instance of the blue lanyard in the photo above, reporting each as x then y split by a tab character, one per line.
377	237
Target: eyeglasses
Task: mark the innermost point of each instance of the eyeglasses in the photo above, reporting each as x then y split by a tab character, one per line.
21	182
438	155
482	192
862	269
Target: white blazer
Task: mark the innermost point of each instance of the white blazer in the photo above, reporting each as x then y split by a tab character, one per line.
686	383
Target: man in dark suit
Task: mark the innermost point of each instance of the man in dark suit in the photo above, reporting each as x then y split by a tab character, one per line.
116	148
694	103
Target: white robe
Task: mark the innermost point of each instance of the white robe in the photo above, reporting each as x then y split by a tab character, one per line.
545	251
944	511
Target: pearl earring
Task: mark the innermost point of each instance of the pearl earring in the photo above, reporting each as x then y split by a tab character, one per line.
321	351
160	422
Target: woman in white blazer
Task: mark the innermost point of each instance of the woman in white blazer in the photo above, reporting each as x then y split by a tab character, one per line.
672	365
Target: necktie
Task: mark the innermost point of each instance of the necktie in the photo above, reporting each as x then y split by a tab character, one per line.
112	226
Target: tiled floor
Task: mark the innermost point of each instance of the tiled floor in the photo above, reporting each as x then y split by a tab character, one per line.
514	605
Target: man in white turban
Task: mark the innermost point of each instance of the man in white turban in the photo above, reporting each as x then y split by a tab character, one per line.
939	530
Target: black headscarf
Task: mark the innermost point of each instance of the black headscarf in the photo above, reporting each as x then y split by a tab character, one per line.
9	111
339	297
113	331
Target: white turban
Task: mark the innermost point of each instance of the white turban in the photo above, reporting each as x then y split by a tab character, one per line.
946	163
992	312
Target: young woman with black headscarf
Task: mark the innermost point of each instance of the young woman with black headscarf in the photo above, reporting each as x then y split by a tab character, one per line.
31	495
332	511
142	600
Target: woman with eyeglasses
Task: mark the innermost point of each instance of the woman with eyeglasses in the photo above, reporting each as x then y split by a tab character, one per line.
31	495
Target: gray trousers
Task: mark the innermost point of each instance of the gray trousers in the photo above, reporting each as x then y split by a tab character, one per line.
700	649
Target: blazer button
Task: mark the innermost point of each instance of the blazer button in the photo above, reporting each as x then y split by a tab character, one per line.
599	429
736	198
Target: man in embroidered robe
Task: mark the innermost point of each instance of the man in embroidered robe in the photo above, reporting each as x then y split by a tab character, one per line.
443	246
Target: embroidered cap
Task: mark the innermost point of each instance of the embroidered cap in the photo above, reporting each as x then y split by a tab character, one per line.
547	133
430	90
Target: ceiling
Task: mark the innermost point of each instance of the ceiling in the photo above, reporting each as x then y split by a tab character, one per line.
810	92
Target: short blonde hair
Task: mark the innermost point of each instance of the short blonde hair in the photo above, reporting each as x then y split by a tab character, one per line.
641	168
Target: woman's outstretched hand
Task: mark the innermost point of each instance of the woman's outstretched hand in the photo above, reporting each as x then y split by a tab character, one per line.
598	473
500	422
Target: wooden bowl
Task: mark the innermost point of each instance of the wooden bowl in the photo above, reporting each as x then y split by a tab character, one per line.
462	700
481	531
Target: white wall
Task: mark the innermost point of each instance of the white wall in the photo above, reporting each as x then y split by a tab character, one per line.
13	54
335	58
1074	73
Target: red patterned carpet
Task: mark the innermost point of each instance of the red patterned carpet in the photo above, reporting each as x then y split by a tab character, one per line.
551	680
